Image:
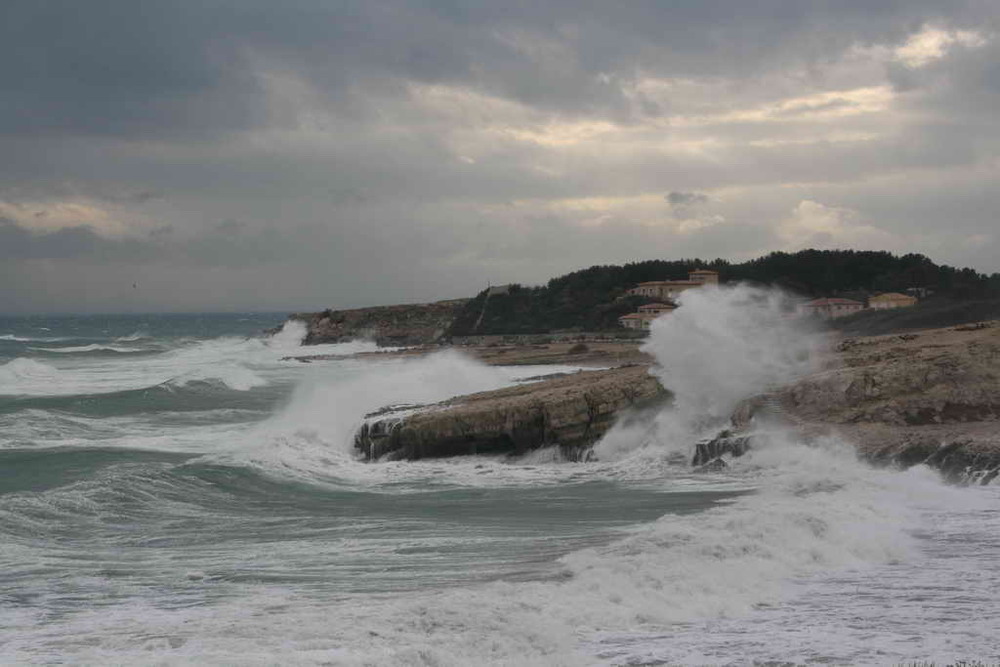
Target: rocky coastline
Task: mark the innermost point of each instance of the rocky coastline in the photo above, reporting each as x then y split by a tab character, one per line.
930	397
409	324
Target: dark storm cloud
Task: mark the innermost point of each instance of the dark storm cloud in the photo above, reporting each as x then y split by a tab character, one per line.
228	243
71	242
146	68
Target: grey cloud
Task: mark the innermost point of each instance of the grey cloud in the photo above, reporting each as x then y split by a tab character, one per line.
686	198
230	243
164	111
17	242
193	69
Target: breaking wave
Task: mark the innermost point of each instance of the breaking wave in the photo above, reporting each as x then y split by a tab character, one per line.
94	347
689	587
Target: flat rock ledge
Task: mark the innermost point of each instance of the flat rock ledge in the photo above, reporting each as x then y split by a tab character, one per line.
930	397
571	411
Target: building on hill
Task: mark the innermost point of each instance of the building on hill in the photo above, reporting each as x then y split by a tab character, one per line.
655	309
670	289
644	318
831	308
891	300
665	291
704	276
635	321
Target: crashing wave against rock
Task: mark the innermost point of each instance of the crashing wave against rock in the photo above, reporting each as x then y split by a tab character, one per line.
929	398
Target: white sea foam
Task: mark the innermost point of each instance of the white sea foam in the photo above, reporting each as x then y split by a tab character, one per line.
232	375
781	574
131	338
235	362
312	437
660	594
94	347
31	339
26	376
289	337
317	425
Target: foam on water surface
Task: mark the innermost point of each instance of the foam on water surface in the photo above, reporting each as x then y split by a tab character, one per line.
274	543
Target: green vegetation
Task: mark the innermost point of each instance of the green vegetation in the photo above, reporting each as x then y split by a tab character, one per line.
593	299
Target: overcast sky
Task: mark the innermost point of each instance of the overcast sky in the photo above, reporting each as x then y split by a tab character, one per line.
265	155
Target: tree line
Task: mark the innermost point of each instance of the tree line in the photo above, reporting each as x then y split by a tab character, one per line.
593	299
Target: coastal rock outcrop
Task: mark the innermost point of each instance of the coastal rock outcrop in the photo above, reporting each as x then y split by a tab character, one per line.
710	453
409	324
571	412
925	397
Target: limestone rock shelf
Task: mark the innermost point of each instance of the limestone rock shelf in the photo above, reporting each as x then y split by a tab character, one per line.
924	397
571	411
411	324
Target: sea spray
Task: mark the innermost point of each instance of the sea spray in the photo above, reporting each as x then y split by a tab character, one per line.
289	336
722	345
312	436
26	376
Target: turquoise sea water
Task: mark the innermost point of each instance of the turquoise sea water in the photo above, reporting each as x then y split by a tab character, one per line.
173	492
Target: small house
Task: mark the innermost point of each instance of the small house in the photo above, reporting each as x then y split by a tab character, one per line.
891	300
656	309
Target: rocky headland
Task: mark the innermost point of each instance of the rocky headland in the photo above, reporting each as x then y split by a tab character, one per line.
930	396
409	324
569	411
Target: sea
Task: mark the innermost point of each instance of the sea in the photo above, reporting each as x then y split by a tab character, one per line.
175	490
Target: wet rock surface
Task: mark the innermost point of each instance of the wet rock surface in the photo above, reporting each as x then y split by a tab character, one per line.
929	397
409	324
709	453
571	412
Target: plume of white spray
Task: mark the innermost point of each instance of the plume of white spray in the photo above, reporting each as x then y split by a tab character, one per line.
290	336
722	345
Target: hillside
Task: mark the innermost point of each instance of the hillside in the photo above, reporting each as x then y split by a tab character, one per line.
593	299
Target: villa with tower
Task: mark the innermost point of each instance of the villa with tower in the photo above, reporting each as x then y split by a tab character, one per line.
664	292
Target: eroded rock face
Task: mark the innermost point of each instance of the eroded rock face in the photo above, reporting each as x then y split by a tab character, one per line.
932	397
938	377
571	412
410	324
709	453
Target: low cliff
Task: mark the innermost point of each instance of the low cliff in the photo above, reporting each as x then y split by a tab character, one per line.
571	411
924	397
409	324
